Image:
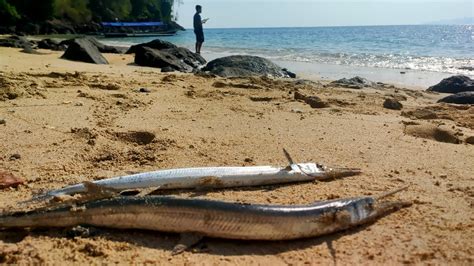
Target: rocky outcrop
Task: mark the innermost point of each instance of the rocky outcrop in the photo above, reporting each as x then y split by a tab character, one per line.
155	44
466	97
354	83
164	59
246	66
192	59
51	45
17	42
84	50
454	84
100	46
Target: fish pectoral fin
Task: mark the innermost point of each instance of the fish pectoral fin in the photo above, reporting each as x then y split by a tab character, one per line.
95	191
147	191
186	241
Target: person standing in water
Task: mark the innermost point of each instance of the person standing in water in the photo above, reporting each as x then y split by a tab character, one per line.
198	28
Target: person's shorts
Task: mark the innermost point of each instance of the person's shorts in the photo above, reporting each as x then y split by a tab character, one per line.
199	36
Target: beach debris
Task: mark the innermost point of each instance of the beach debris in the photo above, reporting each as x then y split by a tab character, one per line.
459	98
82	49
392	104
246	66
213	177
454	84
9	180
313	101
195	218
15	156
354	83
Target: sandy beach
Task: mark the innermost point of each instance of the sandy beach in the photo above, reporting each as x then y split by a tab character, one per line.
67	122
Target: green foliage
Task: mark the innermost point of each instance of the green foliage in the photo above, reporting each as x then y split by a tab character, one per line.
34	10
110	9
8	12
74	10
79	11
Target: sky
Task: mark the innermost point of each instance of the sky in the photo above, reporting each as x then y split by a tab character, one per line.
308	13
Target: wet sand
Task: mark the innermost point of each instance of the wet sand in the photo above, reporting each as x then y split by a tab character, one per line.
72	122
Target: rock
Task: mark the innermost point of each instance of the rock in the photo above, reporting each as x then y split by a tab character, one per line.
469	140
145	56
144	90
354	83
51	45
167	69
155	44
245	66
313	101
100	46
9	180
15	156
83	50
3	121
459	98
17	42
188	57
392	104
454	84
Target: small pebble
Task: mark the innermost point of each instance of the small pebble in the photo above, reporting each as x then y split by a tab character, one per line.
3	121
15	156
146	90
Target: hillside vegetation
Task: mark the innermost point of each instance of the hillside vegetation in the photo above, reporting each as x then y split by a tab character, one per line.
84	11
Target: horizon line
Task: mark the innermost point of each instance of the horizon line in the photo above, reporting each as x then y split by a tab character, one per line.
335	26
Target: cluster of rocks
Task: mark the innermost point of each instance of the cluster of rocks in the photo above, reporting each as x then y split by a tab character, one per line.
461	86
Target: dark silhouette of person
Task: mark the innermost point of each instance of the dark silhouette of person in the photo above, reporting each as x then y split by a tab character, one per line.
198	28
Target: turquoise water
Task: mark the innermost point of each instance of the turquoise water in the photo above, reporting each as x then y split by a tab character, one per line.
445	49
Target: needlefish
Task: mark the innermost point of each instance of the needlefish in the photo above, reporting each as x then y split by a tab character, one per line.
212	218
212	177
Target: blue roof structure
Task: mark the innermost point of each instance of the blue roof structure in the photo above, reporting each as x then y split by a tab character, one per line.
132	24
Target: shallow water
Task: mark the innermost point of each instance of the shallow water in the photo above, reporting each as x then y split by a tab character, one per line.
444	49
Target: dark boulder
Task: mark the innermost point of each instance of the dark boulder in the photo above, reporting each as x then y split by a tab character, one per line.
83	50
155	44
102	47
354	83
245	66
392	104
454	84
51	45
145	56
17	42
466	97
188	57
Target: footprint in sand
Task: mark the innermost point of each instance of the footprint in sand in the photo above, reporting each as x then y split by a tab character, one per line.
139	137
430	131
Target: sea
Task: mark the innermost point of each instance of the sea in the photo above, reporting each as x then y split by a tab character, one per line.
415	55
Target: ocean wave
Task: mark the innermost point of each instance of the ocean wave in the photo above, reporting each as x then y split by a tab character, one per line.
392	61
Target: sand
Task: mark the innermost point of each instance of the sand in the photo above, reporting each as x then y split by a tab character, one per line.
70	122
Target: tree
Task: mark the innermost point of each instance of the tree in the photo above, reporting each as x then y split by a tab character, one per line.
34	10
8	13
74	10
